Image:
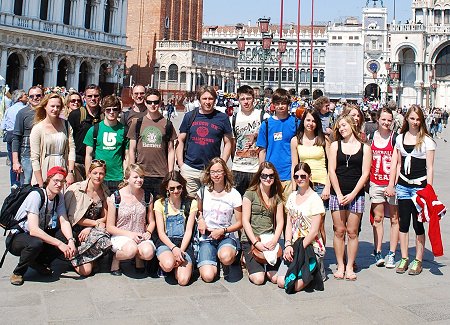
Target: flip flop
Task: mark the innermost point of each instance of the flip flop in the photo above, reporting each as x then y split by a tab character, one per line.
350	276
338	275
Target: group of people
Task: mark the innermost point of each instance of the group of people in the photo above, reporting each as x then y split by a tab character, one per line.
118	188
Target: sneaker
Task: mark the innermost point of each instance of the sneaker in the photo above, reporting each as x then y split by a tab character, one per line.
161	273
402	265
390	260
379	260
16	279
415	268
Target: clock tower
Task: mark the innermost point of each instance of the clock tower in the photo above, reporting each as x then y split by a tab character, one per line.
375	36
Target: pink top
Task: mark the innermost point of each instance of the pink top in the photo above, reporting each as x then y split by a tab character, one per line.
132	217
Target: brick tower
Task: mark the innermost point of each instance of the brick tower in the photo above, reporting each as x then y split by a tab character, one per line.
153	20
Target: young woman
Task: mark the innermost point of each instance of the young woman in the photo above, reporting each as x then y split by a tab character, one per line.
349	168
415	152
382	148
87	209
312	146
131	222
305	211
358	117
73	102
218	200
51	140
262	213
175	218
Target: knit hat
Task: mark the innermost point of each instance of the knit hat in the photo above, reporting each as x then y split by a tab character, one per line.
56	170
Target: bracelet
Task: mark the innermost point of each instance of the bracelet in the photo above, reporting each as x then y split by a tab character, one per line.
225	230
175	246
288	241
72	239
256	242
286	246
149	232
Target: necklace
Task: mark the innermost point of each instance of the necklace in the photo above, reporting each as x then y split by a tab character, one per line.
347	158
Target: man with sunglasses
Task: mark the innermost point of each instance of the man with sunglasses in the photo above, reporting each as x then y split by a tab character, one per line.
81	120
152	143
107	143
138	109
21	153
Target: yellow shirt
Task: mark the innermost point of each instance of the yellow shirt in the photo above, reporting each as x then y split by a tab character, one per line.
314	156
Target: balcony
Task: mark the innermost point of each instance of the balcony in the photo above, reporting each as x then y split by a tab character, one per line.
60	29
407	28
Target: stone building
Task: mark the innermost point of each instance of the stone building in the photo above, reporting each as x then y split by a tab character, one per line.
67	43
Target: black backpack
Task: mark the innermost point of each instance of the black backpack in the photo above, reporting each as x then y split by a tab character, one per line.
148	197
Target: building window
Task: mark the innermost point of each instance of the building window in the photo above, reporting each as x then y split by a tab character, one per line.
107	20
350	37
67	7
356	37
322	56
446	16
266	74
283	75
437	17
183	77
259	74
162	76
308	75
247	74
254	74
18	7
290	75
339	37
272	75
87	15
316	56
333	37
304	60
43	14
315	75
302	75
308	57
173	72
321	75
242	72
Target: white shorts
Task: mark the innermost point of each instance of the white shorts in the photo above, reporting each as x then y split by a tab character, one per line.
119	241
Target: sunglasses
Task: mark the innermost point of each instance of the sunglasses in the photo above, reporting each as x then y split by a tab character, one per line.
112	109
35	96
92	96
98	161
267	176
303	176
154	102
73	101
173	188
138	94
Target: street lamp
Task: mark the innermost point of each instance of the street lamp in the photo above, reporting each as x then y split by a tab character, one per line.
262	54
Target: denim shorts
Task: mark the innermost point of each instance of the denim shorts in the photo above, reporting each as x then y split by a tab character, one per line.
189	254
318	188
406	193
207	254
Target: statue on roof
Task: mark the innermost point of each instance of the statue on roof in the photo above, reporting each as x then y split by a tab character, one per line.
374	3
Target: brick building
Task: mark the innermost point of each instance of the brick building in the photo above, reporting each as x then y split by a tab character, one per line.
150	21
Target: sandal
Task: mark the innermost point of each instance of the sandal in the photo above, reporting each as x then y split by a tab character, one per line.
350	276
338	275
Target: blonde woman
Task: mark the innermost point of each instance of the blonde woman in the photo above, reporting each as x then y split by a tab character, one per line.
73	101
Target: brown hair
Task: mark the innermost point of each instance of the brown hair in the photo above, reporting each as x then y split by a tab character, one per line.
206	89
110	101
320	102
281	96
305	167
97	164
347	118
423	132
176	177
228	179
245	89
318	131
40	108
347	110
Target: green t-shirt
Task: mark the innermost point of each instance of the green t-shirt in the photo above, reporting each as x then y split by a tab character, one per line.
261	218
110	141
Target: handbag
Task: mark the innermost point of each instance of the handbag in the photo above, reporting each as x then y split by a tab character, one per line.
259	255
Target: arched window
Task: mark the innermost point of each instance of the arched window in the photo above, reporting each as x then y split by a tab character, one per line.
272	75
67	8
254	74
162	76
247	74
248	52
304	59
308	57
316	56
322	56
283	75
302	75
266	74
183	77
308	75
290	75
242	72
443	63
173	72
291	55
259	75
18	7
321	75
315	75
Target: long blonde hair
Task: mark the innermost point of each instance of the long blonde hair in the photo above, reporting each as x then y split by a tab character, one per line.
423	132
131	168
351	121
41	113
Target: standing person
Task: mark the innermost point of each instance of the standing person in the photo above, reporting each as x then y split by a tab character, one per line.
382	150
110	143
21	152
358	118
201	134
262	214
81	121
45	232
245	125
305	212
152	143
349	168
19	100
322	106
415	150
131	222
218	201
312	146
139	109
445	118
86	210
175	218
72	102
51	140
274	138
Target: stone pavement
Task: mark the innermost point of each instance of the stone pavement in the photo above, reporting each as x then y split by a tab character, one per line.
378	296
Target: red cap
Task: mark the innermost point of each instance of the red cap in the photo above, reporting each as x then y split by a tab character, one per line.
56	170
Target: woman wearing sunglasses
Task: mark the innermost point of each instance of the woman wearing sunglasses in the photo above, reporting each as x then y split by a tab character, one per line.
218	201
305	211
262	213
72	102
175	218
87	209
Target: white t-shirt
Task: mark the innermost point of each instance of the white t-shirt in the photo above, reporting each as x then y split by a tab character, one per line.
218	211
46	218
246	132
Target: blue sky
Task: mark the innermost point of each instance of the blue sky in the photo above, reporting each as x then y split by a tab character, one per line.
230	12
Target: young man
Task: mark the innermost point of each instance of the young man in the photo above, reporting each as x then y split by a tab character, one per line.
322	105
111	144
45	233
200	139
152	143
245	125
274	139
81	121
138	109
21	153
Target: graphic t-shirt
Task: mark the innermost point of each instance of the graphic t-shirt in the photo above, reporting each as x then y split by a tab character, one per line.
246	132
110	148
278	148
151	147
301	217
205	137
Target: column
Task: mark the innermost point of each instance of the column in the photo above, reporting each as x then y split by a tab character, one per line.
394	93
209	81
3	63
419	95
54	72
78	13
188	80
223	82
31	8
7	7
28	71
100	16
75	76
56	11
179	80
96	73
124	18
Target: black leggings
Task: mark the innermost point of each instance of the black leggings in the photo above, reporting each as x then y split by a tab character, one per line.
406	209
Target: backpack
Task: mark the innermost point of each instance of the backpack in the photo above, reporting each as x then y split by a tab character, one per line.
147	198
233	121
95	136
166	137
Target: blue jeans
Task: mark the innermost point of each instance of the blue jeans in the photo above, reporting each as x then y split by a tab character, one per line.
25	176
318	188
207	254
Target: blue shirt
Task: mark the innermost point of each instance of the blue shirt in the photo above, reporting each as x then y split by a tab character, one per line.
10	116
278	143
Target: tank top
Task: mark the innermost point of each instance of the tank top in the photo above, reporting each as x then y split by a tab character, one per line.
381	162
314	156
348	170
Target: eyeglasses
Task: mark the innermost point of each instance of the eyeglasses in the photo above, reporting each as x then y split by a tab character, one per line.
267	176
216	172
138	94
112	109
98	161
92	96
59	181
302	176
37	96
173	188
73	101
154	102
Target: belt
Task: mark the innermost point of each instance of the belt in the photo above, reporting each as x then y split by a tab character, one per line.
415	181
318	184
